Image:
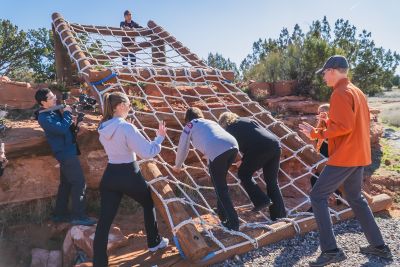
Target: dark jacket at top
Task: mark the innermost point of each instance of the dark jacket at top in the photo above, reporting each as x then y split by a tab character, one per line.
58	133
252	137
128	41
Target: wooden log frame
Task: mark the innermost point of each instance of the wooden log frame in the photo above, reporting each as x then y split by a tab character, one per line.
111	31
63	62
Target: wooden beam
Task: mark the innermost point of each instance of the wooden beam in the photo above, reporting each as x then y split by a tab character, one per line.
190	240
158	52
73	48
111	31
123	51
63	62
180	75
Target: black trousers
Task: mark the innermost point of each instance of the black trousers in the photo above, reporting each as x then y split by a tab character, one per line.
269	162
218	171
120	179
72	182
130	56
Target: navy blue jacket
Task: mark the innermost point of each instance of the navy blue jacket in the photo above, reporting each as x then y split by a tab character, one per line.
58	133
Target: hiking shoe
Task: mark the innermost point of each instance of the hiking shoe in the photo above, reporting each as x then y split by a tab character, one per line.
83	221
328	257
60	218
163	244
262	206
380	251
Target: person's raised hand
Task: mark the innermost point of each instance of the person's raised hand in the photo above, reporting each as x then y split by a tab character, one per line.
306	129
162	130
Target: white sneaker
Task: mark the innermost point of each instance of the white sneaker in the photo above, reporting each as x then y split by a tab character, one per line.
163	244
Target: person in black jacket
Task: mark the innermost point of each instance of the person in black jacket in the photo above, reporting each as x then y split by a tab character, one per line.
128	23
260	149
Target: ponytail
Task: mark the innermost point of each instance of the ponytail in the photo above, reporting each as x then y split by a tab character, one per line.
110	102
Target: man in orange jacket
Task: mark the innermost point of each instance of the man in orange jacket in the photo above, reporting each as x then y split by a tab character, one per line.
349	151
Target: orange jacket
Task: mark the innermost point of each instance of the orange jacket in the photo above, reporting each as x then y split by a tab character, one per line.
348	129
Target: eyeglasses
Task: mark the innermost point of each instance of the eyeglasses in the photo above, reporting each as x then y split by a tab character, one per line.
51	97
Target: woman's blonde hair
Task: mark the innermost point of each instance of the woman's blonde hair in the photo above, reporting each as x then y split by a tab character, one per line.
227	118
110	102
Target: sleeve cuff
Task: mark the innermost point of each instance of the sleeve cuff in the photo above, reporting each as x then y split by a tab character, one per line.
159	139
317	134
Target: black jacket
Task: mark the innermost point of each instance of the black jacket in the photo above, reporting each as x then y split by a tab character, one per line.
252	137
128	41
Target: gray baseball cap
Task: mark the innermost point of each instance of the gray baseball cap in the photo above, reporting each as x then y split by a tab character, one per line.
334	62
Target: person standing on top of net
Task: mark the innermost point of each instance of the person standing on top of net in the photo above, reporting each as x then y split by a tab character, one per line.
220	148
260	149
348	134
128	42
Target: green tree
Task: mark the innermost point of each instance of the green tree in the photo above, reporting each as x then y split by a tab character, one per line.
41	54
396	80
14	48
297	56
219	62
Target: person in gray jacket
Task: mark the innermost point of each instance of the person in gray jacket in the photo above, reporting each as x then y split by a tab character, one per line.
122	141
220	148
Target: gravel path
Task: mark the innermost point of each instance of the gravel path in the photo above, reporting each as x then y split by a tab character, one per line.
300	250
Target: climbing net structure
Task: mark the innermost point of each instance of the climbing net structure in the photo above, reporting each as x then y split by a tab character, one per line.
163	78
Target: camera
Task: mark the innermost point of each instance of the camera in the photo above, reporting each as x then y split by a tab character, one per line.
87	102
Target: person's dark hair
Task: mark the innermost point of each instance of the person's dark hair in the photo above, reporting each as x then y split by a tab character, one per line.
41	95
111	101
193	113
127	12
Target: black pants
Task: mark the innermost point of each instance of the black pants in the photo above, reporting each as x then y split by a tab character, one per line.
119	179
269	162
72	182
130	56
218	171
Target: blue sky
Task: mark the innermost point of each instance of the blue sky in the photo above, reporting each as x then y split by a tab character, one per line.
227	27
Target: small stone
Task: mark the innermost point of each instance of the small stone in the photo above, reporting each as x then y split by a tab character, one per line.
387	162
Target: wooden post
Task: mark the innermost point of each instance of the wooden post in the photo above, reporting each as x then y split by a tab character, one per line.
72	46
190	240
63	62
158	51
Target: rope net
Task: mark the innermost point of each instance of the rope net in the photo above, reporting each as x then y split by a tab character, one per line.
187	82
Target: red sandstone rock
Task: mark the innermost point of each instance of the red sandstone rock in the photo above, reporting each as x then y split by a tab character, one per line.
45	258
260	90
292	104
81	237
284	88
17	95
